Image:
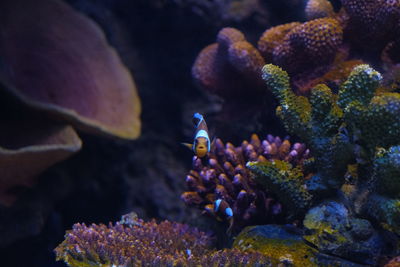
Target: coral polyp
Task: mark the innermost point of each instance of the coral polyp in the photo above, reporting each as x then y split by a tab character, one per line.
133	242
224	182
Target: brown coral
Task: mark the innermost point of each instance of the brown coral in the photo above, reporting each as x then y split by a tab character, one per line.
225	183
309	45
335	75
318	9
272	38
230	66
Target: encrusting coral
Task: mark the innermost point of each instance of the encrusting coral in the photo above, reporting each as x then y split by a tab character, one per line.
354	137
225	178
133	242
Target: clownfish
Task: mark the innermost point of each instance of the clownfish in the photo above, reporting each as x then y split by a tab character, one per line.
221	207
201	144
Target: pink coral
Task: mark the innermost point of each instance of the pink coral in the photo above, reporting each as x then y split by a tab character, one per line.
230	66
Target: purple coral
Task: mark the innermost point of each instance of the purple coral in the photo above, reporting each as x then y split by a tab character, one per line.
147	244
372	24
144	242
225	183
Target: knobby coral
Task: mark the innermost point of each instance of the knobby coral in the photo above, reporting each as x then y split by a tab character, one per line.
224	182
232	65
133	242
316	9
380	17
309	45
229	66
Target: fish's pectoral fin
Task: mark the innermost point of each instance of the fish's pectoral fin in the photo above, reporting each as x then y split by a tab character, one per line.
213	142
229	231
190	146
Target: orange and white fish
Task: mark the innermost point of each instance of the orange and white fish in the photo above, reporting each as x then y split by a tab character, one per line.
201	145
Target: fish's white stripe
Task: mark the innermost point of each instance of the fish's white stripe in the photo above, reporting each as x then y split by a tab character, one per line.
203	133
217	203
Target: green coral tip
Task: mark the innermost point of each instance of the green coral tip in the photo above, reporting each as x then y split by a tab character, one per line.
370	72
276	78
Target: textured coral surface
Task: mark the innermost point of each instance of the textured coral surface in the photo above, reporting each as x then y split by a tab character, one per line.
230	66
133	242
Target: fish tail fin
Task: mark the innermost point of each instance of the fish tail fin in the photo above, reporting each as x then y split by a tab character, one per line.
197	118
190	146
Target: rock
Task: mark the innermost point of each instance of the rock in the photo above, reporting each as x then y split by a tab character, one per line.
332	228
285	246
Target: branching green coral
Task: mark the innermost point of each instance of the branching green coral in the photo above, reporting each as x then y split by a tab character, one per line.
358	126
285	181
294	110
360	86
387	171
317	121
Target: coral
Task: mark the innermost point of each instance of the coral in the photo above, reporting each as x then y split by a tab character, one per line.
334	76
147	244
379	17
230	66
387	171
23	160
353	136
285	181
316	9
29	143
305	50
68	70
309	45
59	70
226	177
298	47
395	262
272	38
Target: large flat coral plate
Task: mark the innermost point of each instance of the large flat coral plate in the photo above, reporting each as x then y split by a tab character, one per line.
57	60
